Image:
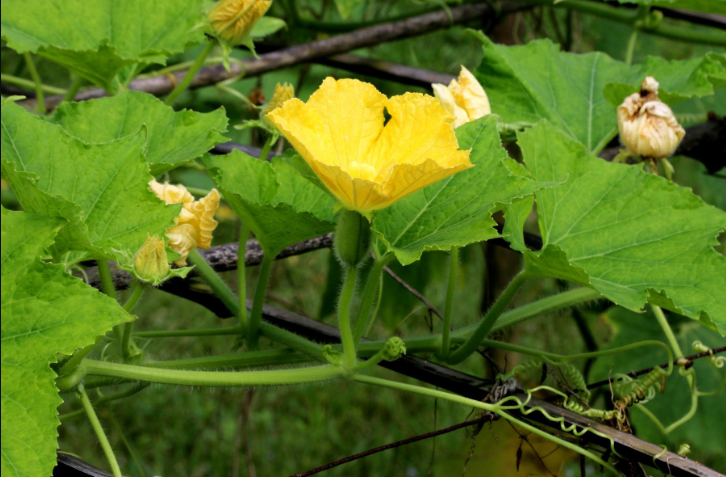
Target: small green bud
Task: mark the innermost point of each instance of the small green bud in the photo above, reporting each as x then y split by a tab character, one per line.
332	356
394	348
352	237
151	264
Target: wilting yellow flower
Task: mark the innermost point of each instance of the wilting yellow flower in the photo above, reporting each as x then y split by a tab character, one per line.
647	126
340	133
282	93
195	223
232	20
151	264
464	99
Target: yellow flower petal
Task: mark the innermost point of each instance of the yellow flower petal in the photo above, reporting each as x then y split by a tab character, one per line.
469	95
446	98
367	166
195	224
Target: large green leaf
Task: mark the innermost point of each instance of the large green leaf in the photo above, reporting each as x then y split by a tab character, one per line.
537	80
97	38
101	189
632	236
172	137
457	210
45	311
703	430
278	204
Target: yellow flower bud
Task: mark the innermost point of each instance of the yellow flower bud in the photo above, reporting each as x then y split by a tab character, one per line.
282	93
232	20
465	98
195	223
151	264
647	126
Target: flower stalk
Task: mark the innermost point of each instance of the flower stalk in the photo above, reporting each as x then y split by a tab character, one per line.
191	73
98	429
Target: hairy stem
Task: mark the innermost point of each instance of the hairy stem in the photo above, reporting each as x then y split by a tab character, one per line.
244	232
362	322
184	84
213	378
73	89
266	148
96	424
486	325
346	334
253	328
39	93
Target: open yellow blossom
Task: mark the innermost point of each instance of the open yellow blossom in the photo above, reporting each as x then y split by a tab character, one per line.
367	165
232	20
195	223
464	99
648	126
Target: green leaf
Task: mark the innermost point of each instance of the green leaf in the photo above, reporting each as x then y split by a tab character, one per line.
45	311
97	39
266	26
279	205
172	137
679	80
456	211
707	6
703	430
101	189
632	236
537	80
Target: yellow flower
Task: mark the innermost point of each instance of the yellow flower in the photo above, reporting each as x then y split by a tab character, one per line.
464	99
195	223
340	133
232	20
282	93
647	126
151	263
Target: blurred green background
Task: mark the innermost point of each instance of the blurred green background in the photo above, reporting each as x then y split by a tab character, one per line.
175	431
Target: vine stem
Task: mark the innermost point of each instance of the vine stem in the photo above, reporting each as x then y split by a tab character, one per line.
670	336
449	305
104	274
244	232
630	49
73	89
39	93
96	424
25	84
364	321
267	146
184	84
485	326
481	405
184	377
253	328
137	289
229	299
346	334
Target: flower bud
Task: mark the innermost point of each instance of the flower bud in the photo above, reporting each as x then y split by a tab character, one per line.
648	127
465	98
232	20
282	93
352	237
150	263
394	348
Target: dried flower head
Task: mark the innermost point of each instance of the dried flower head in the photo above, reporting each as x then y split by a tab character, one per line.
367	165
464	98
195	223
647	126
232	20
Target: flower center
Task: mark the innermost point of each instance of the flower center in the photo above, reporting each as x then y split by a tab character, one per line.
359	170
